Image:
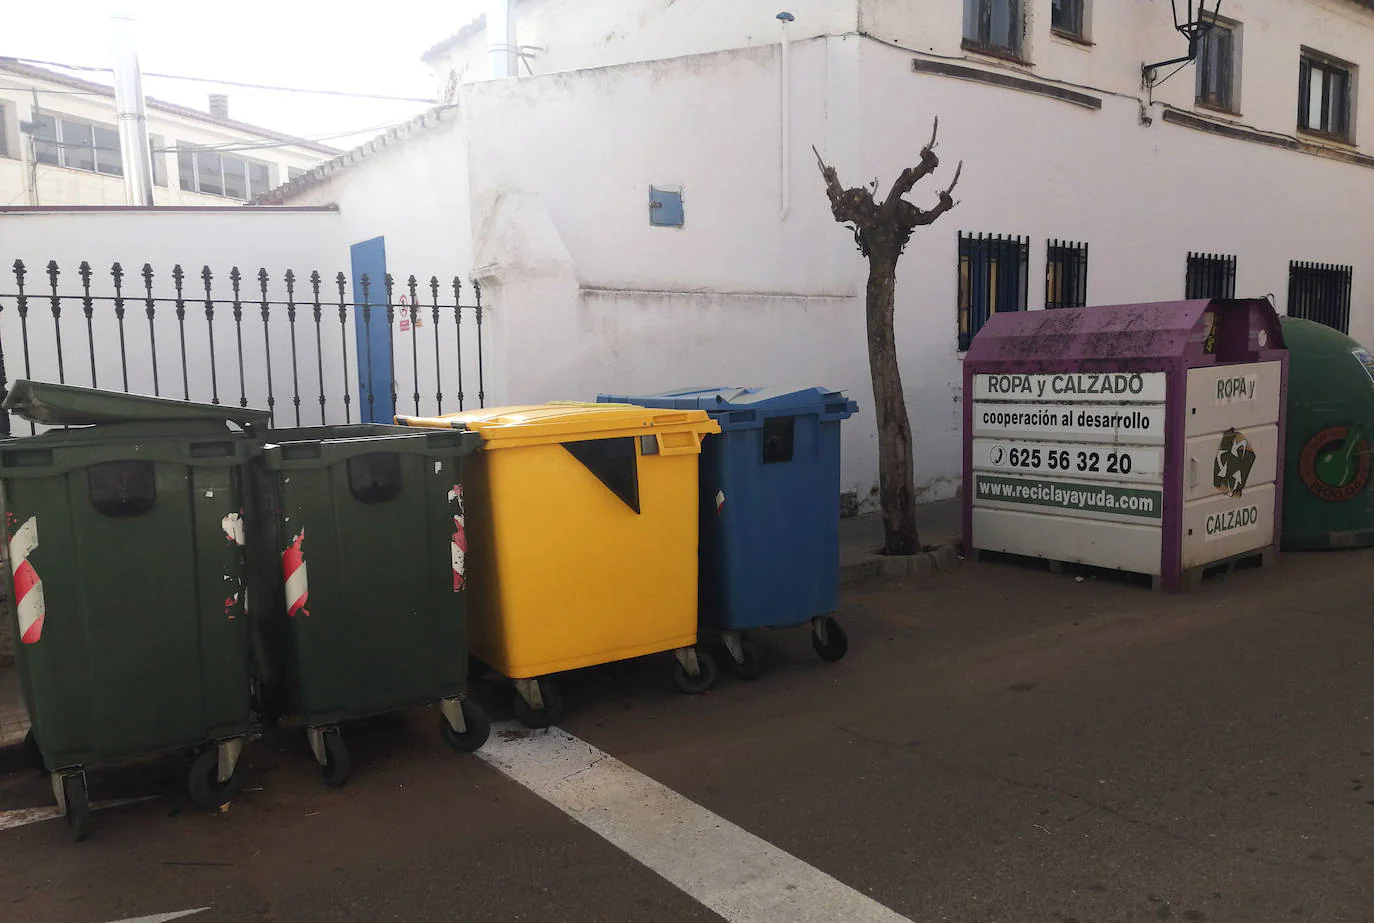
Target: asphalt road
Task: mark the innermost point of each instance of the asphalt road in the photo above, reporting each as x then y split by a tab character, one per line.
1001	744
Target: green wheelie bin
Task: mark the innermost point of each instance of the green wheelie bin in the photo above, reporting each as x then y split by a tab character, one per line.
365	533
125	542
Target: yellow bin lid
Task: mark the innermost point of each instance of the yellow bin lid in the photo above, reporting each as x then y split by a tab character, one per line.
540	424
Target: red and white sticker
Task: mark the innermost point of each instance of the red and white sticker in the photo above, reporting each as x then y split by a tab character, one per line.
720	501
28	586
293	567
459	545
233	528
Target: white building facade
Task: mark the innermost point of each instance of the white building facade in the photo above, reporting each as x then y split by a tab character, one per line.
644	207
59	146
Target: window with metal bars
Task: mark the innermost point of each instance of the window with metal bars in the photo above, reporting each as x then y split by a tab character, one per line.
1066	274
1320	292
1217	67
992	279
1210	275
1324	97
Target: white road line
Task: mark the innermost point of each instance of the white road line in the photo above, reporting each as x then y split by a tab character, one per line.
21	817
741	877
163	917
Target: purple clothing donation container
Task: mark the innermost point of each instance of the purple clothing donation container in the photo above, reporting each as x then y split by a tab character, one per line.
1144	437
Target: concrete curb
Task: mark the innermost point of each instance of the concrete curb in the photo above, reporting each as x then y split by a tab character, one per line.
922	566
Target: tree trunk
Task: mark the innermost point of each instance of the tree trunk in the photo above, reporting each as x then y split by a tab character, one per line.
896	486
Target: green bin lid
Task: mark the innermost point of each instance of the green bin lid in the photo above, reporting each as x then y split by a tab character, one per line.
67	405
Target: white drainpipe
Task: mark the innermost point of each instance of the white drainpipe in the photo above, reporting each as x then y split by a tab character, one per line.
501	38
785	105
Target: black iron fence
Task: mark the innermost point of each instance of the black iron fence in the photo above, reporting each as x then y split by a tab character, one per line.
1320	292
1210	275
187	336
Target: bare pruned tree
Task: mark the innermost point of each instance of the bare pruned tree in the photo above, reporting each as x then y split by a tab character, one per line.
882	229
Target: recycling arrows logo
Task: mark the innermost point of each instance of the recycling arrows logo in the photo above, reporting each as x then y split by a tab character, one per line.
1235	458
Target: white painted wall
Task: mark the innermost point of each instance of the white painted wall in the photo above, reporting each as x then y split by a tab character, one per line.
59	185
563	35
588	297
277	240
740	296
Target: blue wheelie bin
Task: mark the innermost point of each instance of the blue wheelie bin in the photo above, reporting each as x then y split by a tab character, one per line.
769	511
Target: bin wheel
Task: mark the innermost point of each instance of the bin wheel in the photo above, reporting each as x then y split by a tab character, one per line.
78	805
203	783
749	668
337	765
549	715
32	752
703	681
836	643
478	729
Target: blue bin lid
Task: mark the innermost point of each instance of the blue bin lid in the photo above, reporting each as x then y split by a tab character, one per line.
743	408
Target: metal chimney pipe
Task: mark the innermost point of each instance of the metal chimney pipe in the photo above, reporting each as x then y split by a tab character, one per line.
131	116
501	38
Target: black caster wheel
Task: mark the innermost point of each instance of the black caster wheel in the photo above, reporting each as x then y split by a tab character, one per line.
478	729
836	642
78	806
749	668
337	766
32	752
703	681
549	715
203	784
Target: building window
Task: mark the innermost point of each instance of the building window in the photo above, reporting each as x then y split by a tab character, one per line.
994	26
212	173
992	279
1210	275
1320	292
1067	17
1324	87
4	131
1217	67
1066	274
76	145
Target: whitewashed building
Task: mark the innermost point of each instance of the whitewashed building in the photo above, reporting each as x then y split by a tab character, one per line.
59	146
643	205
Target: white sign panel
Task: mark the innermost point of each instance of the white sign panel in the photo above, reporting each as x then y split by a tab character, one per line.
1225	396
1141	387
1100	461
1087	422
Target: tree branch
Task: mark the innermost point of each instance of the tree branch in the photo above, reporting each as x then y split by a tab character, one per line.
916	217
854	206
913	175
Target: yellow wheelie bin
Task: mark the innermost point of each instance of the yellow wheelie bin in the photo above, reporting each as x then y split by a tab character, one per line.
581	542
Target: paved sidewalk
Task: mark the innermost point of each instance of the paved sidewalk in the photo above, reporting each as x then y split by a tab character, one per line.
861	538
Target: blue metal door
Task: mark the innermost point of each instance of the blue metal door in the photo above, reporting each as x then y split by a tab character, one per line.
374	332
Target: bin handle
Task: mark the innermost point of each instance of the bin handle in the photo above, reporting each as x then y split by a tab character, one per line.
1192	471
297	450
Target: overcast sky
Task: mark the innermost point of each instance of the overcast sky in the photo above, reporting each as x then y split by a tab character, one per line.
295	43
